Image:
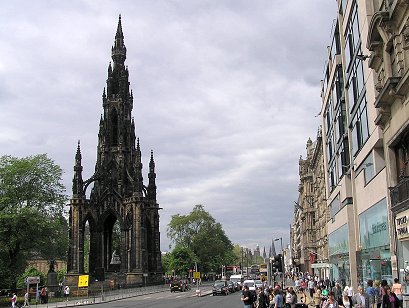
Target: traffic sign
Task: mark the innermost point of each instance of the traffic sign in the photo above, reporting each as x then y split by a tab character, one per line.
83	281
33	280
196	275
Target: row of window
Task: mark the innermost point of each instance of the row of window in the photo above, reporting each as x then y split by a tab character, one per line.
336	116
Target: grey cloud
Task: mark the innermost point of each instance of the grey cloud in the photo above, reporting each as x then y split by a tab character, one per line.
225	93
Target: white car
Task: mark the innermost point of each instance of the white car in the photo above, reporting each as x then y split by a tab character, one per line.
251	284
258	283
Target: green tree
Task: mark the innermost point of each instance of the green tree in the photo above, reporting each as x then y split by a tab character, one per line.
30	272
203	236
31	214
182	259
166	263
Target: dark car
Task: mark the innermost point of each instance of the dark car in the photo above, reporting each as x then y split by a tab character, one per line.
231	286
220	287
178	285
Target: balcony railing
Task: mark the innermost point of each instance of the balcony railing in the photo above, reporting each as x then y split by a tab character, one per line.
400	193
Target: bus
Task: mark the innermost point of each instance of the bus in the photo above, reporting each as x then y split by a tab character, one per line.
263	271
255	271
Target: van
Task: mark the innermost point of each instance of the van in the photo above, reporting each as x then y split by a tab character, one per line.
251	284
236	278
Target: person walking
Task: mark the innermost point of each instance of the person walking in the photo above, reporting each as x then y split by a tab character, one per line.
293	297
278	299
246	297
26	300
346	301
13	300
397	289
361	300
337	293
317	297
66	292
311	285
330	302
349	290
378	295
261	299
389	300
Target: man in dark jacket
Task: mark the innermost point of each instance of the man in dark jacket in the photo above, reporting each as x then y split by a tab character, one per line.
246	297
261	299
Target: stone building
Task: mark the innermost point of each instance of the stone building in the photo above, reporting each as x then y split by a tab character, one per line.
388	43
356	188
365	118
118	196
309	248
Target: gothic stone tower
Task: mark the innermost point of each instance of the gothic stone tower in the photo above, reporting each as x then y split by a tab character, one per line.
118	194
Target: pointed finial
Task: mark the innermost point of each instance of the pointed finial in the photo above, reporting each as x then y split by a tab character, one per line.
78	154
151	154
119	33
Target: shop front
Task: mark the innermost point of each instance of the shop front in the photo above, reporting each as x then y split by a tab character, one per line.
374	257
339	255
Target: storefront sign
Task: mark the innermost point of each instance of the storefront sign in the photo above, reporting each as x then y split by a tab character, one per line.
401	223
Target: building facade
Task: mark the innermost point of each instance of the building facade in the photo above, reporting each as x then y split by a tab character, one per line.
357	194
365	141
118	196
309	236
388	42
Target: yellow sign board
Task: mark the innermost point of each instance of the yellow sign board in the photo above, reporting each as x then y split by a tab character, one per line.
196	275
83	281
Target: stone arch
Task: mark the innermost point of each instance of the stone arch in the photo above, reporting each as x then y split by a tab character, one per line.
88	242
112	226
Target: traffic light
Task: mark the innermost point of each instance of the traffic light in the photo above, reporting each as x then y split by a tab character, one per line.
277	263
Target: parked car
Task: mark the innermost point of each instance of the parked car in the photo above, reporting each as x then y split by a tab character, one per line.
220	287
231	286
237	286
179	285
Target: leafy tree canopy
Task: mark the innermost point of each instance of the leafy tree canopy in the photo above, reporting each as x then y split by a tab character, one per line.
181	260
32	224
203	236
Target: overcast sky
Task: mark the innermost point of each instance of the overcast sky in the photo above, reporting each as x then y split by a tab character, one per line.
226	94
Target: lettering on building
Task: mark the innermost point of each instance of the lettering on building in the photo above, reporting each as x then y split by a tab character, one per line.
402	225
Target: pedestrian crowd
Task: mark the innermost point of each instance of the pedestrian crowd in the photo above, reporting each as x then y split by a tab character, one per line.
311	291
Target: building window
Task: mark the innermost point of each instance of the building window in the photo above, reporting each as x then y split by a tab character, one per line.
373	226
342	7
401	150
352	36
356	83
338	241
335	206
336	45
359	127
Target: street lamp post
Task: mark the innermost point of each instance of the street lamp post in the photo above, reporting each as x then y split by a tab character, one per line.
282	260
